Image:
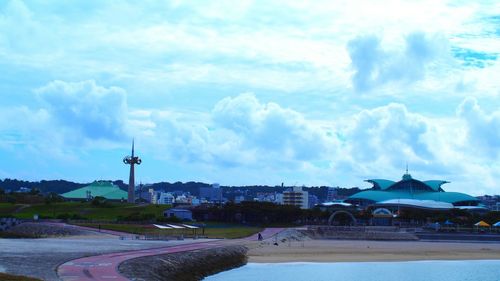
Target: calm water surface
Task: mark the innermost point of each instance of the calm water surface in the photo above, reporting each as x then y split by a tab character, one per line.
365	271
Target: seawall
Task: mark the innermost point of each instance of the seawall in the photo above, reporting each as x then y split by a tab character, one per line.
336	233
184	266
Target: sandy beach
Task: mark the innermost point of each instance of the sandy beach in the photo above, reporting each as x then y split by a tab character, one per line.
346	250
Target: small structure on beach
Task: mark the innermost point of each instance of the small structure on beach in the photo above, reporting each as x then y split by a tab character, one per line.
482	226
496	226
183	214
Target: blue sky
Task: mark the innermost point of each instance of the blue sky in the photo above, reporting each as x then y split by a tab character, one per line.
252	92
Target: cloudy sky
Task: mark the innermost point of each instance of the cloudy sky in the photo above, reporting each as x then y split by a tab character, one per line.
252	92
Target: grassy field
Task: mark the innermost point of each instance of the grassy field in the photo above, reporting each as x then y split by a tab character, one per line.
8	277
111	211
212	230
6	209
232	232
10	235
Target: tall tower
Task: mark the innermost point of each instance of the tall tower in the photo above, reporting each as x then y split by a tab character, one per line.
131	160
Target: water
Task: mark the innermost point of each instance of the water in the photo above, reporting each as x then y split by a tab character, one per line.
488	270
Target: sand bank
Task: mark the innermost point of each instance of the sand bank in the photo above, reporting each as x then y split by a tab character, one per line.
347	250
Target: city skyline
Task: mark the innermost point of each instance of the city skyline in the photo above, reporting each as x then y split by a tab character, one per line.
245	93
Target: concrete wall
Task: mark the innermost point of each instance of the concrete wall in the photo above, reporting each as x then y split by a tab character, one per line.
185	266
357	234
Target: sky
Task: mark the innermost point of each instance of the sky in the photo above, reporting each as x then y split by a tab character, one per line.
252	92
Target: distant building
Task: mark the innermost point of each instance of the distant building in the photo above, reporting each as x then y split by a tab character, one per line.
154	196
183	199
104	189
147	194
278	198
212	193
265	197
183	214
24	190
412	193
195	201
332	194
313	201
165	198
239	198
490	202
296	197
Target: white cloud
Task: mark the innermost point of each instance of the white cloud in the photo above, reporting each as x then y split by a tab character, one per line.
271	129
180	59
390	135
483	130
240	132
375	66
249	137
85	108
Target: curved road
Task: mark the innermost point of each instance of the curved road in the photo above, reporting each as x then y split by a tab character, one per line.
105	267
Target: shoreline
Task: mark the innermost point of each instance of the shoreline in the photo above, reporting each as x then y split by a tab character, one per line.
381	261
328	251
370	261
429	270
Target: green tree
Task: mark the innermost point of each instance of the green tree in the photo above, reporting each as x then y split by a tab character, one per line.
99	201
53	197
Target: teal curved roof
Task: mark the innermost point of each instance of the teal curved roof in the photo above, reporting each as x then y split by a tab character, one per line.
378	196
105	189
450	197
381	183
435	184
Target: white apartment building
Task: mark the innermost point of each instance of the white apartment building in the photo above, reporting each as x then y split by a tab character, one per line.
165	198
296	197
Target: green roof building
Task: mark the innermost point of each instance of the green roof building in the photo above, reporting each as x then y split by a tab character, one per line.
104	189
421	194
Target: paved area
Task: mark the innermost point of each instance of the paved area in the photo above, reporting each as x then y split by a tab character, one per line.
460	237
105	267
93	256
266	233
41	257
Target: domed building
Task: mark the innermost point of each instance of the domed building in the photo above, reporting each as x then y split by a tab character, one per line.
412	193
104	189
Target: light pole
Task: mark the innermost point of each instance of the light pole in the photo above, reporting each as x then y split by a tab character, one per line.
131	160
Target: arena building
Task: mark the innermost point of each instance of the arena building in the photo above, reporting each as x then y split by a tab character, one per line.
412	193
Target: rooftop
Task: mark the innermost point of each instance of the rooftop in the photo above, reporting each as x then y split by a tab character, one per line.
104	189
409	188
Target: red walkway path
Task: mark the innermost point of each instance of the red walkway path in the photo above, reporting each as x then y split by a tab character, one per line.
105	267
